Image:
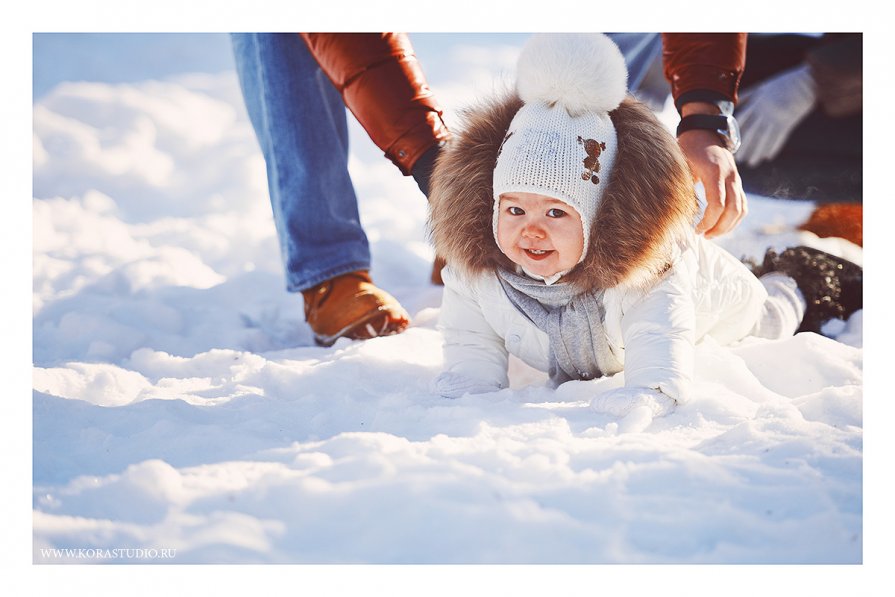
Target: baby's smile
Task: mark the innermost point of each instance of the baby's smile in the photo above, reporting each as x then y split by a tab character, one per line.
539	233
538	254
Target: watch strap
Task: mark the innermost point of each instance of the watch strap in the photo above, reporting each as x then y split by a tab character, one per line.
710	122
724	126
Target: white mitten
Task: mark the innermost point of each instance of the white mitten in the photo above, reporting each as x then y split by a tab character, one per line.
768	112
621	401
454	385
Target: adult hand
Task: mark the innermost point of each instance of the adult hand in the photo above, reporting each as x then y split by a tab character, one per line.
768	113
713	164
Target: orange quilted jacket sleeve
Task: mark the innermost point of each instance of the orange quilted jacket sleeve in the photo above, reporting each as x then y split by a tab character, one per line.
382	83
704	62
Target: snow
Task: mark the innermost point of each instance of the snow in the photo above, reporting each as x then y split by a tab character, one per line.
179	403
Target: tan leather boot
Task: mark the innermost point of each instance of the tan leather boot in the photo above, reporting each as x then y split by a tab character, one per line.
350	305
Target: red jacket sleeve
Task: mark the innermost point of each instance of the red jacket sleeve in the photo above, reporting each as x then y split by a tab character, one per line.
383	85
705	63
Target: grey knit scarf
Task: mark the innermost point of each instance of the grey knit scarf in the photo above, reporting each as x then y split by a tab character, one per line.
573	323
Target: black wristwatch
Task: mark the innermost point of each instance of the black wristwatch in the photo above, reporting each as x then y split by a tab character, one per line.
724	124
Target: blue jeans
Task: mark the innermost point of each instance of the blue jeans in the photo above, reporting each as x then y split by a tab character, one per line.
643	57
301	125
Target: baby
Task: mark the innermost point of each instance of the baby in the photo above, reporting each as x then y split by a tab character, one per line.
565	212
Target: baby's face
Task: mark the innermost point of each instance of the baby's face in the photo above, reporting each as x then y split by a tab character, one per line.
541	234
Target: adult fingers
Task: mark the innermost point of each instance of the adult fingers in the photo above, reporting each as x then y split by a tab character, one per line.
715	192
735	208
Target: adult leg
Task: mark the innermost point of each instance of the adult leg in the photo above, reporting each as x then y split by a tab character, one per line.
301	125
643	57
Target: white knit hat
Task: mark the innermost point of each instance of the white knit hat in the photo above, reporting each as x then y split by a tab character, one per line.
562	143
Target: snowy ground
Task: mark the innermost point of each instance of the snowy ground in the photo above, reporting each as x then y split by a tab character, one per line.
180	407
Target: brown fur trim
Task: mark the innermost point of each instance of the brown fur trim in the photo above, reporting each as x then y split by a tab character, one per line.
649	200
648	204
461	201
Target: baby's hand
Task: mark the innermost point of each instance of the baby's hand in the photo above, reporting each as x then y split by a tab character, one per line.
454	385
621	401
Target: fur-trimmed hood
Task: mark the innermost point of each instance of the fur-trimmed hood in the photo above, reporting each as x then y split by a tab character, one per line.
649	202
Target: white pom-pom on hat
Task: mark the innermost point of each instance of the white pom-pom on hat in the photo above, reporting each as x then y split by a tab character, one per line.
584	72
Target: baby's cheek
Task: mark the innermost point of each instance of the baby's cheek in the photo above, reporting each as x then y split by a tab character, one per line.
505	234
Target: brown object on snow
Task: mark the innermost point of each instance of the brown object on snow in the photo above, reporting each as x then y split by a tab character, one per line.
843	220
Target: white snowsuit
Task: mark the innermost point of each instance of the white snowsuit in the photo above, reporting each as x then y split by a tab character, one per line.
652	332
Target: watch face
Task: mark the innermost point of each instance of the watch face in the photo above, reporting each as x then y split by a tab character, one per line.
726	107
733	134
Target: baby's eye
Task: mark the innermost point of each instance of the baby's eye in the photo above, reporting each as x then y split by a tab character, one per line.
555	213
515	211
